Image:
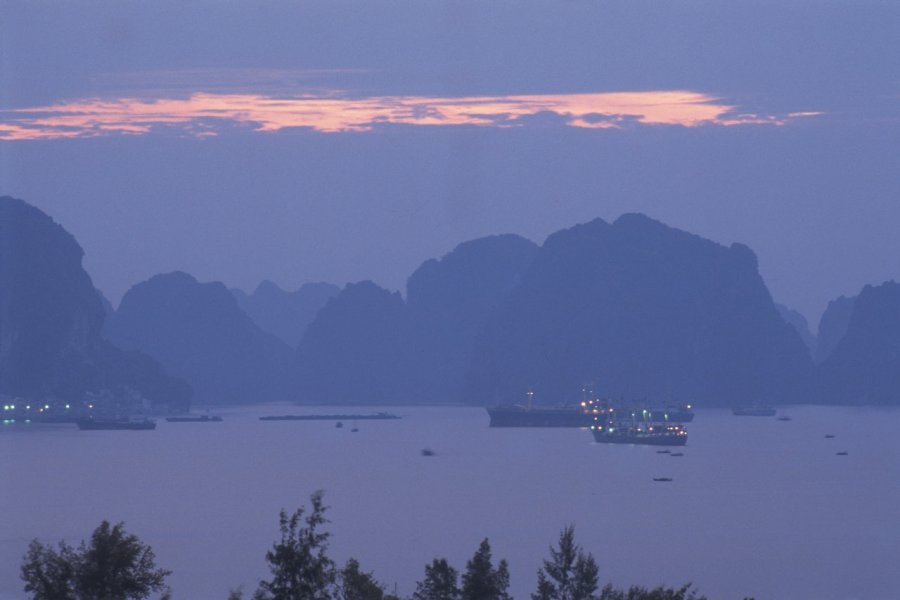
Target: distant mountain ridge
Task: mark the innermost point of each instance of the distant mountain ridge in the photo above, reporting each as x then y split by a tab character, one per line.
638	309
282	313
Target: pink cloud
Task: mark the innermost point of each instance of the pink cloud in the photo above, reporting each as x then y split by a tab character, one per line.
329	113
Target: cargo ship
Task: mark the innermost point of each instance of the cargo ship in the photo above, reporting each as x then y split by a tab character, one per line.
582	414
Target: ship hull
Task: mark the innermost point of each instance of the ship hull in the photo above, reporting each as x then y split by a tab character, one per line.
644	439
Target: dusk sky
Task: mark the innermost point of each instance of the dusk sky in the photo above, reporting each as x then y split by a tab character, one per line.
339	141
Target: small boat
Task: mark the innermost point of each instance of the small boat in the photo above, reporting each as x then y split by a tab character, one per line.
195	419
663	451
339	424
428	452
784	418
109	424
662	479
677	454
829	436
841	453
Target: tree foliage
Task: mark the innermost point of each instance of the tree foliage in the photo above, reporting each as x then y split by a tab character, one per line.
115	565
641	593
482	581
359	585
299	563
569	574
440	582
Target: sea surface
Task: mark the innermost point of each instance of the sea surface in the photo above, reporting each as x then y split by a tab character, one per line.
757	507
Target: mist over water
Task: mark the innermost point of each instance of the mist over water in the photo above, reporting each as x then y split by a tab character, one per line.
757	507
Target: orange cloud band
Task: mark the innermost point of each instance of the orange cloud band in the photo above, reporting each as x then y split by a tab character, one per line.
202	114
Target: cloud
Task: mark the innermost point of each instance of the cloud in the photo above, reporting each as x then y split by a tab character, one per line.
205	113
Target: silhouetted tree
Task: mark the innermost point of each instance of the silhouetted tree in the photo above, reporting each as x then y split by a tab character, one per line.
660	593
358	585
115	565
440	582
482	581
569	574
301	569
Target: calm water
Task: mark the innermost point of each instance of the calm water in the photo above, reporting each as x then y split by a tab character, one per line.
757	506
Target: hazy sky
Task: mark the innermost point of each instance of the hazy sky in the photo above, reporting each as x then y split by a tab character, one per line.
339	141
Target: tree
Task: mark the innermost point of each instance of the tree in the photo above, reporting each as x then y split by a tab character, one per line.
49	574
115	565
301	569
482	581
569	574
358	585
440	582
640	593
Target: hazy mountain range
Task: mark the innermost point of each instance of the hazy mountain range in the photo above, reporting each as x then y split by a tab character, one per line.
634	307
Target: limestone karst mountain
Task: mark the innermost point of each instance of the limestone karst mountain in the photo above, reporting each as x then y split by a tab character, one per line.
196	331
640	309
51	318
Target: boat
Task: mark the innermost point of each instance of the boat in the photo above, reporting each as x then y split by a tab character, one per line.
370	417
116	423
195	419
841	453
583	414
753	411
662	479
653	434
663	451
677	454
784	418
339	424
829	436
428	452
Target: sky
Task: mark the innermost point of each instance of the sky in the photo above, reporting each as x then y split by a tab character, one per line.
339	141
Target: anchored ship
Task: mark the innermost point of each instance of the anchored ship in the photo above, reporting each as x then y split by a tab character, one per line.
516	415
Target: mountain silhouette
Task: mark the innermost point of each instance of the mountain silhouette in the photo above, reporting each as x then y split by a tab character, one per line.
285	314
355	351
449	301
51	318
198	332
800	324
368	345
640	309
864	367
832	326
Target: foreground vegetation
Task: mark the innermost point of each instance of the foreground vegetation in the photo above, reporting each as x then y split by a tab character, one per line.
116	565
